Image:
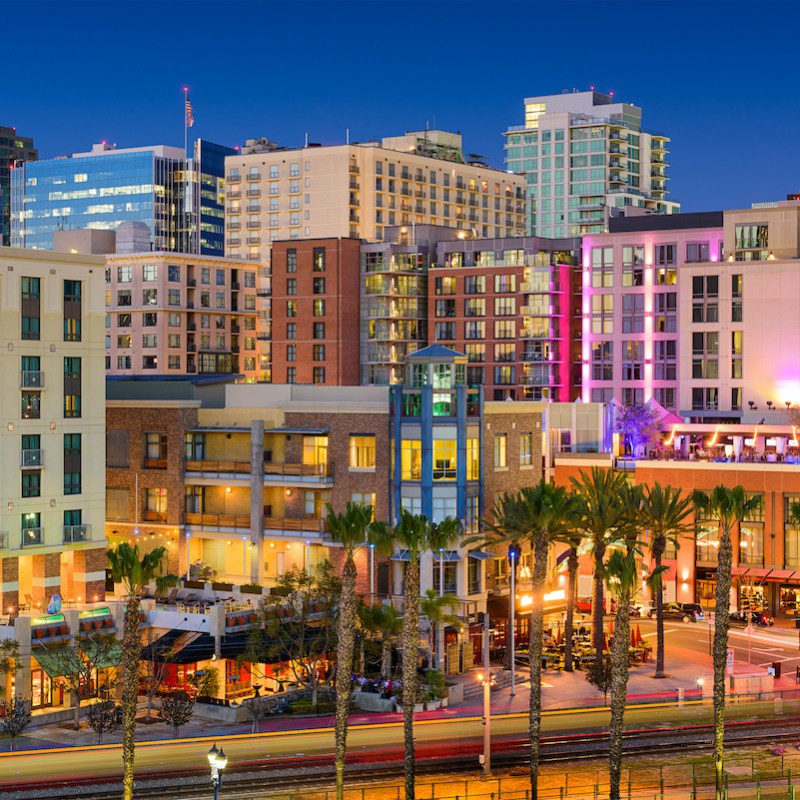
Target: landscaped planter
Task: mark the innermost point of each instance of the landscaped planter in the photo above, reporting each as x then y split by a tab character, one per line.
248	589
222	587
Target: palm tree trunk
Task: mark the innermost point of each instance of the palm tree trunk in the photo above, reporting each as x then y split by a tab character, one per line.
597	604
572	572
720	652
410	659
619	692
344	665
659	598
540	547
131	652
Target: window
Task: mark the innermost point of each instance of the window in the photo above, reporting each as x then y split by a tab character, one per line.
291	374
737	344
362	451
445	308
72	311
318	309
124	274
155	450
633	313
150	272
124	298
220	277
603	314
318	375
291	352
149	319
666	319
602	267
665	254
665	360
174	297
31	528
31	309
149	340
448	567
705	351
291	330
411	459
318	352
318	263
445	331
72	387
291	260
751	242
31	405
475	352
173	273
505	284
736	298
155	505
474	307
526	449
291	308
633	265
632	361
72	463
705	399
444	459
319	330
697	252
504	352
500	451
31	483
205	275
150	297
602	361
474	329
445	285
291	286
505	306
318	286
705	296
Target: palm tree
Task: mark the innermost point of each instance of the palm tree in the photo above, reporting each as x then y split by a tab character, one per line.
601	512
540	514
438	608
728	507
134	571
573	538
664	513
386	621
350	530
414	534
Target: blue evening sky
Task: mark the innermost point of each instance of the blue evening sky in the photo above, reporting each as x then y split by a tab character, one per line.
718	77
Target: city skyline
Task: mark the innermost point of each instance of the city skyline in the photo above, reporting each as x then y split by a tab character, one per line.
480	94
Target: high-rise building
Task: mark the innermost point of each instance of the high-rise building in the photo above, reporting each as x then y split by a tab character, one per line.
52	504
13	149
585	158
357	190
179	199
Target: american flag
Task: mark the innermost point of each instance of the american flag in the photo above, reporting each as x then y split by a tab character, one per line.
189	113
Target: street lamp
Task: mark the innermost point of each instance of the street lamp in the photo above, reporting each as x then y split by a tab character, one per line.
218	761
487	680
514	552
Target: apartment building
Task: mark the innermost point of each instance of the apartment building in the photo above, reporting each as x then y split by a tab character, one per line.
176	315
586	158
315	312
509	305
52	504
634	318
356	190
13	148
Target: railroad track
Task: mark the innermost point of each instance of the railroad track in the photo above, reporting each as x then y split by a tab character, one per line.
316	771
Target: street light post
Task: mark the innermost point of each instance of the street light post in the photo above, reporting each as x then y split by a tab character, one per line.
485	678
514	551
440	631
217	760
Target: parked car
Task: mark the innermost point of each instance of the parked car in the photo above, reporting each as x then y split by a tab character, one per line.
741	619
688	612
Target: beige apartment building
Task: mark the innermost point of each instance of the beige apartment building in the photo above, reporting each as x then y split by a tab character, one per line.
52	437
356	190
177	315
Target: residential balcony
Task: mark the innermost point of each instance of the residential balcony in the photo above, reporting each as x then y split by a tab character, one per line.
254	224
233	179
253	192
283	526
191	282
354	184
32	537
155	463
253	176
77	533
218	521
233	226
32	459
255	209
31	379
151	515
233	195
354	169
272	471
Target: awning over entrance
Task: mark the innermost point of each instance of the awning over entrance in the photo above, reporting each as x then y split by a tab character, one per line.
58	661
481	555
189	647
102	653
446	555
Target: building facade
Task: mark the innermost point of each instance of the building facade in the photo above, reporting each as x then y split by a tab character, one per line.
180	199
51	495
315	312
13	149
586	158
173	314
508	304
356	190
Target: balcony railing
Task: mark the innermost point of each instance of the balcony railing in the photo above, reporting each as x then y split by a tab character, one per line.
77	533
32	459
271	469
240	521
32	537
150	515
31	379
294	525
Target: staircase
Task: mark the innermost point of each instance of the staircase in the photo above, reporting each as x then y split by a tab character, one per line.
474	690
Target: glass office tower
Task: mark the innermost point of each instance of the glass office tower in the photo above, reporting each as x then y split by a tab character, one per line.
179	199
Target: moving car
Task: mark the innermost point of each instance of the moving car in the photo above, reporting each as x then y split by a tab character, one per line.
688	612
741	619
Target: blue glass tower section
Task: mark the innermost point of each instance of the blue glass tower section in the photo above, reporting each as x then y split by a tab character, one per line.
180	200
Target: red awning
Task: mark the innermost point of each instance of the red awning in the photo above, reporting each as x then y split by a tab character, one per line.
783	574
738	570
758	573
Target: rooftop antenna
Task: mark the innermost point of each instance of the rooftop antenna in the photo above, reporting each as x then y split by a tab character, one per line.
306	144
347	135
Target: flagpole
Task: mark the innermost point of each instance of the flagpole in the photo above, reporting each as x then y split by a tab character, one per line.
185	121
